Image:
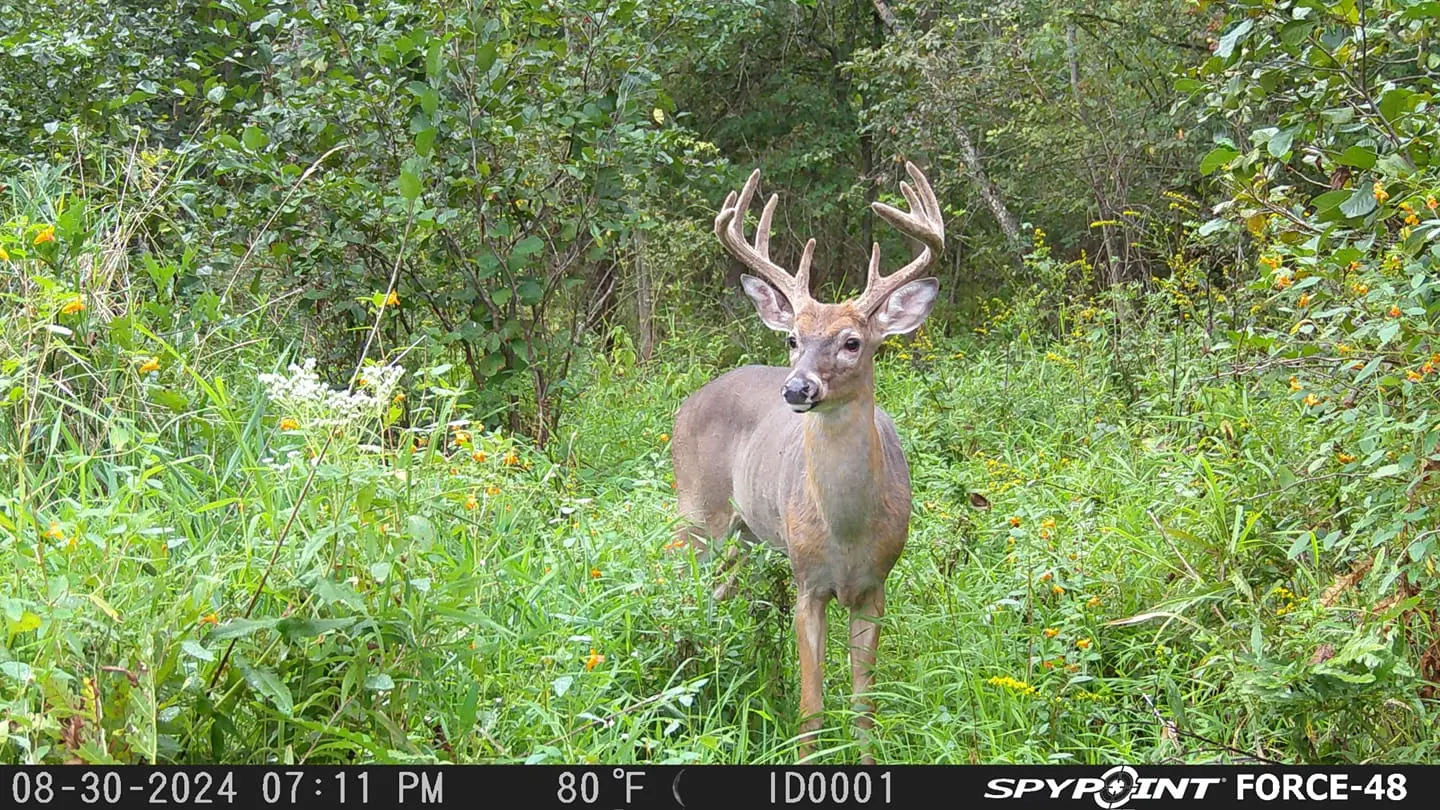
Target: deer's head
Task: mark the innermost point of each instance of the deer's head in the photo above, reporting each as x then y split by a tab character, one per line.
832	346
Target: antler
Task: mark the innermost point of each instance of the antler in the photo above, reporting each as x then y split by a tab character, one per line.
729	226
923	224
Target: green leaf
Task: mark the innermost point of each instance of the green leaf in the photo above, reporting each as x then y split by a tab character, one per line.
379	681
1357	156
485	57
1360	203
425	141
295	628
239	628
268	684
216	94
409	185
1231	38
1387	471
254	139
420	528
1218	157
1279	145
195	649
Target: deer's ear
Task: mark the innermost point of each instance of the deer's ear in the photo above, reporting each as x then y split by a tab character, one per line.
907	307
774	309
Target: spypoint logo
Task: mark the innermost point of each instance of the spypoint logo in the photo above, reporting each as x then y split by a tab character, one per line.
1120	782
1113	789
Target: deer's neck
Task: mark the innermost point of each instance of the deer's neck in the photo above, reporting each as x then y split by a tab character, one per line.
844	461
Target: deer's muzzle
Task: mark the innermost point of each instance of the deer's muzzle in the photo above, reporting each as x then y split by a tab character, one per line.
800	392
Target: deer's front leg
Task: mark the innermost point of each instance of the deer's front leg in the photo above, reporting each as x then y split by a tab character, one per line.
810	633
864	639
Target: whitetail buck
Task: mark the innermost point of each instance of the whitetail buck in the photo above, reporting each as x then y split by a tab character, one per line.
801	457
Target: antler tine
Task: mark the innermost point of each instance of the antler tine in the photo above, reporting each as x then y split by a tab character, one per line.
923	223
730	228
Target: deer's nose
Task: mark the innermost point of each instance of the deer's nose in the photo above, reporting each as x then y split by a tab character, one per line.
799	391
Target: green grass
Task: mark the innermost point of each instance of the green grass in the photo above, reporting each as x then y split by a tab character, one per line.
1143	577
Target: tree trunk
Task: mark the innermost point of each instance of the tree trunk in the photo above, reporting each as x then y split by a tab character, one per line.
989	192
1009	225
1113	258
644	301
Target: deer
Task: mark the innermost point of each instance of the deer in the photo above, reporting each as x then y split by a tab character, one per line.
800	457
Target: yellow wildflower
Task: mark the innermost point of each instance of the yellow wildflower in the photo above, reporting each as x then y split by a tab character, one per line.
1413	376
153	364
4	256
492	490
664	437
595	573
1431	202
54	532
1015	520
1344	458
1360	289
593	660
1381	195
1304	300
1093	602
1083	644
510	459
478	456
46	235
1051	632
1295	383
73	306
1311	400
1007	682
1394	311
392	300
471	503
1057	590
210	618
289	424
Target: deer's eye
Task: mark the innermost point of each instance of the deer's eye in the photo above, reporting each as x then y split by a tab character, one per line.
791	341
852	345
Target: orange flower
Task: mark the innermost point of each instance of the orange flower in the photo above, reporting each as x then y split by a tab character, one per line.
1344	458
1394	311
492	490
1412	220
1311	400
1304	300
1072	667
398	398
478	455
664	437
1093	602
593	660
289	424
471	503
1047	523
209	618
391	300
1360	289
1413	376
45	236
1057	590
1015	520
510	459
1428	368
1381	195
1283	280
54	532
1083	644
1431	202
462	437
153	364
1046	577
73	306
594	573
1051	632
1295	383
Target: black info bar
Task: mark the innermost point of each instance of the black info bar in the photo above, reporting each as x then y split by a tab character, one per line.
621	787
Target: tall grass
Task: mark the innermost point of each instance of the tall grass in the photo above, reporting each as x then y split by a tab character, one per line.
1102	563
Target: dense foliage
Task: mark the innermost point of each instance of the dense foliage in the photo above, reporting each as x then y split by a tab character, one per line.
340	343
